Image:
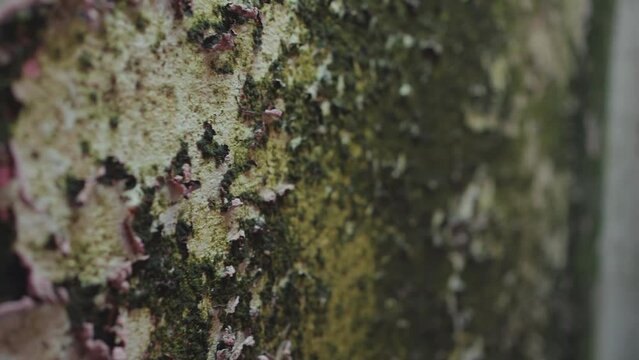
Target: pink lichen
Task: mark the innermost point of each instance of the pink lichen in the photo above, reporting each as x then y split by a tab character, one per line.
180	190
185	176
182	185
120	332
10	169
16	306
227	337
26	199
225	43
96	349
245	11
7	166
273	113
62	243
118	353
93	349
31	68
224	354
63	295
236	203
177	190
118	279
133	243
236	341
93	11
186	171
41	288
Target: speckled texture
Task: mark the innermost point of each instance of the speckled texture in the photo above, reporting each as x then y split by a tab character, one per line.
330	180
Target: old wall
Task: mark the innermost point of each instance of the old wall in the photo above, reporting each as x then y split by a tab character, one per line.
327	179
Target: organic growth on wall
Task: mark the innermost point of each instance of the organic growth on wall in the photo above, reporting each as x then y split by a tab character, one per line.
286	179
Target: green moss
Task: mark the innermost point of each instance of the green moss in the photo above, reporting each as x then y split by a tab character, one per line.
224	69
440	159
230	175
210	148
114	121
200	26
183	232
160	279
205	29
85	148
85	61
115	171
251	100
141	22
73	186
257	37
184	332
81	306
181	158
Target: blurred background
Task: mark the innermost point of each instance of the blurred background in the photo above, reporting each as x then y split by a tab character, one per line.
617	293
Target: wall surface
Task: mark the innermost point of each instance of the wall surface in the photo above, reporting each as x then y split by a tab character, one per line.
287	179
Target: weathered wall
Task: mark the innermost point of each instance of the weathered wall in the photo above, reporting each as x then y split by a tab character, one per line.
329	179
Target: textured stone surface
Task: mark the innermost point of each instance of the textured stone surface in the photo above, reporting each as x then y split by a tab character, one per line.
345	179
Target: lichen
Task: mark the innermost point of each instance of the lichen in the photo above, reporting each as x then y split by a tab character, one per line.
381	177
